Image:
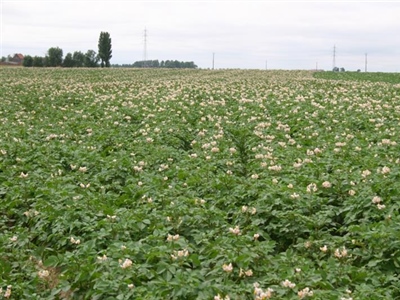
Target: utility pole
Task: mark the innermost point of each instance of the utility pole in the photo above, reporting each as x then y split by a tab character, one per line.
213	60
316	66
366	62
145	48
266	65
334	57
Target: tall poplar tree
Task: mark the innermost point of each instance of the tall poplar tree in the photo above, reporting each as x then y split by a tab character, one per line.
105	49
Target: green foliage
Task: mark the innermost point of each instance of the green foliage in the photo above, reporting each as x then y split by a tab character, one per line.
68	61
79	59
28	61
38	61
359	76
188	184
91	59
54	57
105	49
75	60
164	64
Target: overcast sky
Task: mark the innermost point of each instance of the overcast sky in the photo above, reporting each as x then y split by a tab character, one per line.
242	34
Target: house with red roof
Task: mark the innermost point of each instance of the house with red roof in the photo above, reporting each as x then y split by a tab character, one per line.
18	58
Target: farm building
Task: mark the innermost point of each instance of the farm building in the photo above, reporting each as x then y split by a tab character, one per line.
16	60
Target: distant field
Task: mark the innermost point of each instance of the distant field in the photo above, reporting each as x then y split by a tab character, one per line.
360	76
199	184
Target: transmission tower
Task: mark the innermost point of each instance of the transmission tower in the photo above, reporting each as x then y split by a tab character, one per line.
145	48
366	62
334	57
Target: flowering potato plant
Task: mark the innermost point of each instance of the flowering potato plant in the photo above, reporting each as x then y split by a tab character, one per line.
198	184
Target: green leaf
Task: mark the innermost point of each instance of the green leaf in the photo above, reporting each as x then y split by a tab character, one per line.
51	261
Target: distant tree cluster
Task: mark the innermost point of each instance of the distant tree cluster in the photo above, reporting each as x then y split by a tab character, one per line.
91	59
78	59
54	58
122	66
7	58
164	64
336	69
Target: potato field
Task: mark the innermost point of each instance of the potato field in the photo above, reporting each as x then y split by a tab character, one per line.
199	184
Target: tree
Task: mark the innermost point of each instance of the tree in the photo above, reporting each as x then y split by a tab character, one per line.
68	61
46	61
55	57
28	61
38	61
91	59
189	65
105	49
79	59
168	64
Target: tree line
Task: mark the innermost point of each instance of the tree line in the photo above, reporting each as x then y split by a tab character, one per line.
165	64
90	59
157	64
55	58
